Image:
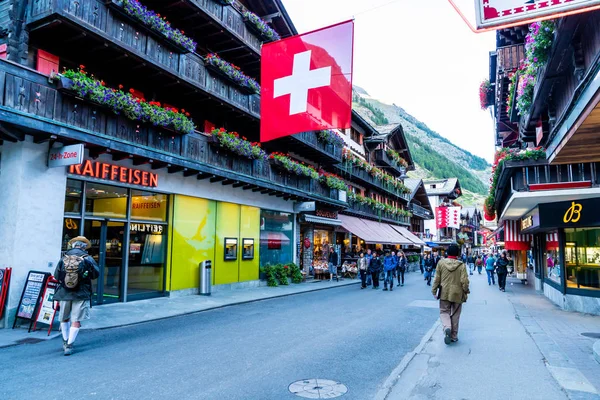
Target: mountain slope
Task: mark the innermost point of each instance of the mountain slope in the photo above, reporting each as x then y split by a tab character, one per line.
434	155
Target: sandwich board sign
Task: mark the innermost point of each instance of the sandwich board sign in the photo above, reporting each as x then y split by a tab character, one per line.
30	298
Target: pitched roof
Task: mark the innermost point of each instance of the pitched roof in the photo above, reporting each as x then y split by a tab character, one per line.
443	186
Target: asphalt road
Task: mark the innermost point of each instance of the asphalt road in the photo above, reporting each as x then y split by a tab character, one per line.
250	351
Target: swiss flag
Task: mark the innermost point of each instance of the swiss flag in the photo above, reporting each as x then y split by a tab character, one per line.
306	82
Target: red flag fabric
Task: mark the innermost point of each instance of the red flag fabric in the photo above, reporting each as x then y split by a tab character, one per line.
441	217
306	82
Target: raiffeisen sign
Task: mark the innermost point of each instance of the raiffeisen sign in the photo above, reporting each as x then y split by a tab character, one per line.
497	14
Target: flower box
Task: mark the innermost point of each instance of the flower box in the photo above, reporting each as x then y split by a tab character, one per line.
118	7
221	74
266	33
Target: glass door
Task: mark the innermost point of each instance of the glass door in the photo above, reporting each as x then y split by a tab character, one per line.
107	238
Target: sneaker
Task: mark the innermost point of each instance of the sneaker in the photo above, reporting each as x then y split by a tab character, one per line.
447	334
385	289
69	350
391	289
65	343
454	340
402	284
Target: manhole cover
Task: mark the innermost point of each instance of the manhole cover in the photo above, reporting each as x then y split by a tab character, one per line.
593	335
318	389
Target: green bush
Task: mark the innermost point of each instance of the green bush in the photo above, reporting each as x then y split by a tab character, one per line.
295	273
269	271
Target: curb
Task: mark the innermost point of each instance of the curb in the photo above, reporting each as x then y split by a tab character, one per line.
391	380
597	351
220	306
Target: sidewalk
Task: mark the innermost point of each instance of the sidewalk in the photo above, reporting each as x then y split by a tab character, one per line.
122	314
507	350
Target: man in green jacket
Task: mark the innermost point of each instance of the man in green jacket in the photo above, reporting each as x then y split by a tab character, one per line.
452	280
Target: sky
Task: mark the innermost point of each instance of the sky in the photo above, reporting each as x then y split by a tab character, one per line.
419	55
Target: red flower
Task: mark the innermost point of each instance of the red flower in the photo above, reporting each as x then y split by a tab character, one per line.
82	66
187	114
102	83
182	32
131	91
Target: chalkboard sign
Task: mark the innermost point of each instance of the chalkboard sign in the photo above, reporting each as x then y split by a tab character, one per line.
31	295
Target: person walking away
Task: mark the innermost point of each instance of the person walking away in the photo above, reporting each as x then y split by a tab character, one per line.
428	269
489	269
422	263
363	265
396	257
375	269
369	257
333	262
436	260
453	282
502	270
479	264
402	264
389	266
74	273
471	262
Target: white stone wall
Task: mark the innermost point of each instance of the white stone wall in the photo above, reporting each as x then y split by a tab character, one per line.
31	214
430	223
570	302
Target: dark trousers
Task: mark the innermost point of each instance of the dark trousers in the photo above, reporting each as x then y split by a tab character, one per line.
421	266
375	277
400	276
502	281
363	279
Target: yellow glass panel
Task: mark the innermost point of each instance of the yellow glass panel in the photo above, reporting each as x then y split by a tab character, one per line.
148	206
250	229
228	226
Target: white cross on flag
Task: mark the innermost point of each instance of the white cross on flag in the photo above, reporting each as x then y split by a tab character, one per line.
306	82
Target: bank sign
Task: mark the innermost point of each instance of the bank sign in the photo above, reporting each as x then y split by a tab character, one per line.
492	13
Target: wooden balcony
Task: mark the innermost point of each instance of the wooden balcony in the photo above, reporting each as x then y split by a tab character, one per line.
308	145
420	212
367	179
382	159
366	211
31	105
90	33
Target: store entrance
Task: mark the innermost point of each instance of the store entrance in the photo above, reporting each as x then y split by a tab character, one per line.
107	238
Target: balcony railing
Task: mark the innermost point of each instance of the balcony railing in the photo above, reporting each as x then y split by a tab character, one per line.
381	157
365	210
370	180
107	25
420	211
28	101
309	145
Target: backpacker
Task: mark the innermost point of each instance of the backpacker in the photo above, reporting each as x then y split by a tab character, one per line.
72	271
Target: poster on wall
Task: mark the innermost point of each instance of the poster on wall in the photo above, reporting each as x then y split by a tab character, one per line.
30	297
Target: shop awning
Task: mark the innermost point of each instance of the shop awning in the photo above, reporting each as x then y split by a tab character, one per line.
552	241
409	235
274	237
321	220
513	238
372	232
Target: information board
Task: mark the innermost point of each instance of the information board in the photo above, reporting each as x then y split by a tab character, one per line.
47	309
31	295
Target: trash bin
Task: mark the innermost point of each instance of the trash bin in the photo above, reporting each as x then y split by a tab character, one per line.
205	271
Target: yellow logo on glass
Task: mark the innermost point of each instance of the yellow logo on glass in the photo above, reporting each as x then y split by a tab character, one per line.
573	214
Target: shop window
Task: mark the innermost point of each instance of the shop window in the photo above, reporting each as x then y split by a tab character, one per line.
276	237
73	196
105	201
147	250
71	229
148	206
552	262
582	258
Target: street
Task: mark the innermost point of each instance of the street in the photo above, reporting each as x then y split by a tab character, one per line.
253	351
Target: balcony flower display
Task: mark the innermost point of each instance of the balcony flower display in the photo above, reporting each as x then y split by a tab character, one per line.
294	166
511	90
331	137
351	159
239	145
232	72
332	181
377	205
394	155
120	102
157	23
486	93
261	27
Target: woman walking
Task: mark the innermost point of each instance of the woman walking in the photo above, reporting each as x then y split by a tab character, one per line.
502	270
402	263
428	268
452	280
489	269
374	269
363	264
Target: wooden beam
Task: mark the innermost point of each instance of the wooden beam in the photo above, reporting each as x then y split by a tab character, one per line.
172	169
227	182
238	184
248	187
216	179
120	156
11	136
44	139
203	175
159	165
257	189
189	172
141	161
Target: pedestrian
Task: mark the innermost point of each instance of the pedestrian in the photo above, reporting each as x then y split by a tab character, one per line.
369	257
436	260
389	267
333	262
422	263
374	269
489	269
453	284
471	263
428	269
502	270
363	265
402	264
74	273
479	264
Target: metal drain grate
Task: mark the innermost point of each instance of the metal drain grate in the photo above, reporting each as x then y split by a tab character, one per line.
29	341
593	335
318	388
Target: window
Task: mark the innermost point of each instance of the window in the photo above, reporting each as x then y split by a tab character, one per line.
105	201
552	262
73	196
148	206
582	258
276	237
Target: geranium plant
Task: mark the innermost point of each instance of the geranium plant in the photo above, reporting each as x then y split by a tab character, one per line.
394	155
294	166
261	26
485	94
157	23
233	72
120	102
332	181
331	137
239	145
351	159
511	91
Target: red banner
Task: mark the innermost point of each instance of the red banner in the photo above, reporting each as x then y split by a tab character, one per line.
441	217
306	82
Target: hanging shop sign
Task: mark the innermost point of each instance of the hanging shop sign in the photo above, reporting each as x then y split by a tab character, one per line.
115	173
506	13
326	214
4	283
306	206
30	297
67	155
